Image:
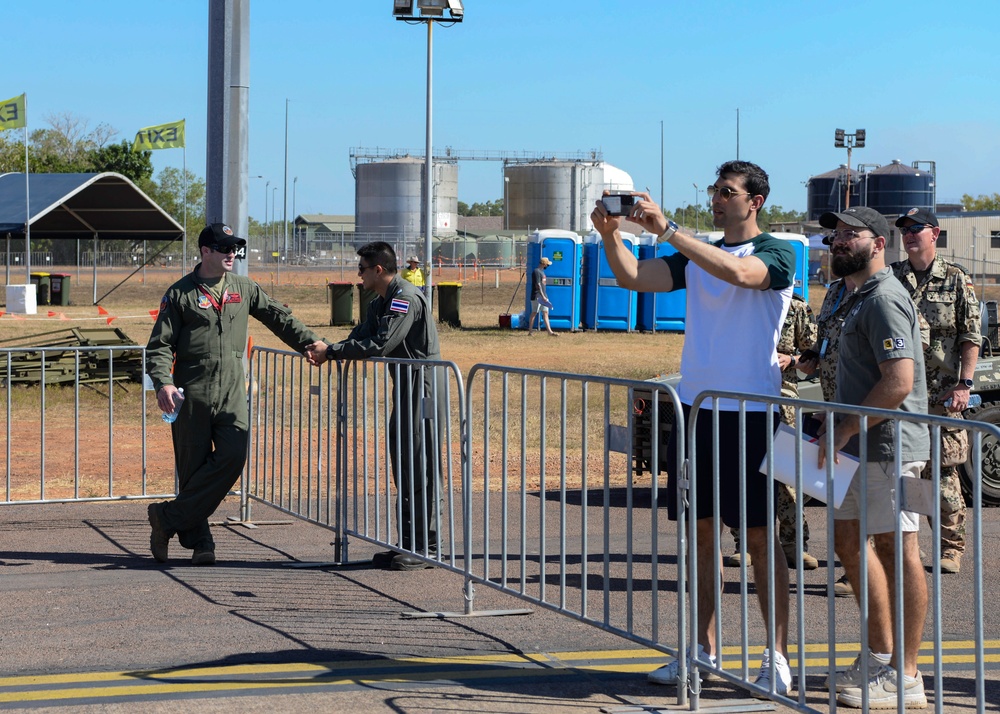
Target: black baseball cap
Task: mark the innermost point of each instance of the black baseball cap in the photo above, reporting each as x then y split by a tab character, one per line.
856	217
918	215
219	234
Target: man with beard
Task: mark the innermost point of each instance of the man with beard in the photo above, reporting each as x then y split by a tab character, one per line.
945	297
738	292
881	365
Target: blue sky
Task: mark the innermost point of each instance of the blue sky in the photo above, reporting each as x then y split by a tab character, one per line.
552	76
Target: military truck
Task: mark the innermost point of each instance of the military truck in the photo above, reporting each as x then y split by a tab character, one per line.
987	379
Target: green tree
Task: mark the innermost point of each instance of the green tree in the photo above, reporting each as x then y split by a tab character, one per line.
982	202
167	190
137	166
463	207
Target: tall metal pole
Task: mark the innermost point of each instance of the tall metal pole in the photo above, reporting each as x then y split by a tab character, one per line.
428	171
847	193
274	214
697	209
295	233
267	195
661	164
284	210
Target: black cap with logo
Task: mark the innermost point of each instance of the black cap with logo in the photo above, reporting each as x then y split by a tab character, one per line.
221	235
918	215
856	217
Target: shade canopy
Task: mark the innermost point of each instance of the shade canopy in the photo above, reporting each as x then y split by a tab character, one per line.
105	206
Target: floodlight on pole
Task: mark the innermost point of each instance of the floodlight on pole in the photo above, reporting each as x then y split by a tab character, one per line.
430	11
842	139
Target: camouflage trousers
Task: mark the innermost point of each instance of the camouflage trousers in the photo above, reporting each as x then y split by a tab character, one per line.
785	510
954	450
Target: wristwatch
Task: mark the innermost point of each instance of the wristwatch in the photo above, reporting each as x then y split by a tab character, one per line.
966	383
669	233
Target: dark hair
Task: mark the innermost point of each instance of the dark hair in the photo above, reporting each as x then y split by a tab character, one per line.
379	253
754	177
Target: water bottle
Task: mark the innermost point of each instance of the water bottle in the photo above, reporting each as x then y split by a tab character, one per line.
171	417
975	400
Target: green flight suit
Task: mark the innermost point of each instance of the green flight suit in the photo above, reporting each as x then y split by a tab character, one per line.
401	326
203	339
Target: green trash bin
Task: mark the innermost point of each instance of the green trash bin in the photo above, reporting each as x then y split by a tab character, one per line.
60	288
365	296
42	285
341	303
449	297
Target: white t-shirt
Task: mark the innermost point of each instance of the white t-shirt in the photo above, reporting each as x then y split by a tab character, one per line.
731	333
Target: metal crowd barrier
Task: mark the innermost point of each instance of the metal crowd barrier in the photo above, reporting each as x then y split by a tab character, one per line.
54	418
533	490
917	495
292	459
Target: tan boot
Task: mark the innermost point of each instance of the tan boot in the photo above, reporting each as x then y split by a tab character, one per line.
843	588
951	562
808	562
734	560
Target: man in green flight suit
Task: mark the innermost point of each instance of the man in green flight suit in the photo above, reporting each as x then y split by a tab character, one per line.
201	333
400	325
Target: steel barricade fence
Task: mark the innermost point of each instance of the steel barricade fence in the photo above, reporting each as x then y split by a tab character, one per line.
554	516
88	402
401	428
818	650
292	460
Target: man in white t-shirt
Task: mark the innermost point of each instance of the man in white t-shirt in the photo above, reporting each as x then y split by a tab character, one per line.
738	292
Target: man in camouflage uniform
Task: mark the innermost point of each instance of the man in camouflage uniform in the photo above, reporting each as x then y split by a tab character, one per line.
944	295
797	333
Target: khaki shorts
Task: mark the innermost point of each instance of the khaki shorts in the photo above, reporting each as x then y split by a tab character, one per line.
881	497
539	308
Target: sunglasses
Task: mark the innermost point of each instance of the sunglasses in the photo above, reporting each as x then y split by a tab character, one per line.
913	230
847	236
725	192
228	250
363	268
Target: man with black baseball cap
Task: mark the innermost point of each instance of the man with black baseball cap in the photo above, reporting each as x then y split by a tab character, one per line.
881	364
197	344
944	294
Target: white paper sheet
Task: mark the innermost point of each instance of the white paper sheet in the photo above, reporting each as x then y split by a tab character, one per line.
813	478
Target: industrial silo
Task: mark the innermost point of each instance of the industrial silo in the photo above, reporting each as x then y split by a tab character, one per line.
896	188
388	197
827	192
558	194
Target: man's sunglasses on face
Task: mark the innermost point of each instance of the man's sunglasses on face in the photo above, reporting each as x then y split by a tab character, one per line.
228	250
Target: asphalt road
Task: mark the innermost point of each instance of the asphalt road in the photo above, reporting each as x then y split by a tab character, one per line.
91	623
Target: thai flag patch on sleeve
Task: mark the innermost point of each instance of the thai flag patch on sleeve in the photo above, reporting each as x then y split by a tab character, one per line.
399	305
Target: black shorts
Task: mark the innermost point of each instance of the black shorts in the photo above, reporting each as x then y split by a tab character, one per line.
729	467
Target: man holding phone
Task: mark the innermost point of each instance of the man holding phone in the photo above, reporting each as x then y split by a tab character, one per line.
738	291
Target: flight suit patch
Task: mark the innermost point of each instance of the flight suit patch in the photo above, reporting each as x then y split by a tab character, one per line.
203	302
399	305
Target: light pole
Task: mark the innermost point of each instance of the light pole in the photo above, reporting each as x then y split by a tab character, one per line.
247	236
274	214
431	11
697	209
842	140
263	238
295	230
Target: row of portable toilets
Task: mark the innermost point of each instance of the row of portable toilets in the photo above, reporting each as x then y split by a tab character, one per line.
585	293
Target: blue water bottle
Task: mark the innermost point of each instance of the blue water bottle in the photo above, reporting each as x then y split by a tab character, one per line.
171	417
975	400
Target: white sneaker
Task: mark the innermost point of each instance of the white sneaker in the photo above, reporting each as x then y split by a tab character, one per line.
882	691
784	682
667	674
851	677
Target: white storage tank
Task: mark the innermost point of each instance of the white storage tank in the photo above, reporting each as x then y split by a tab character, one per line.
388	197
558	194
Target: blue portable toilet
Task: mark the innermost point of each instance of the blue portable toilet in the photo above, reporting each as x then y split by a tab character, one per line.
800	244
562	278
659	311
606	305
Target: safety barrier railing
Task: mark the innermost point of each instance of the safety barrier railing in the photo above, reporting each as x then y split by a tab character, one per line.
401	430
530	490
77	426
292	460
914	494
556	519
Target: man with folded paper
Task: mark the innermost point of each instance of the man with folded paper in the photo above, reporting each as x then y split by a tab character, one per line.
881	365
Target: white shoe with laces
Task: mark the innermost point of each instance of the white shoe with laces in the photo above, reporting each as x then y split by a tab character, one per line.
667	674
784	675
883	691
852	676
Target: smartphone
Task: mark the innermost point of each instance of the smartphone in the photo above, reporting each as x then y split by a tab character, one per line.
618	204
